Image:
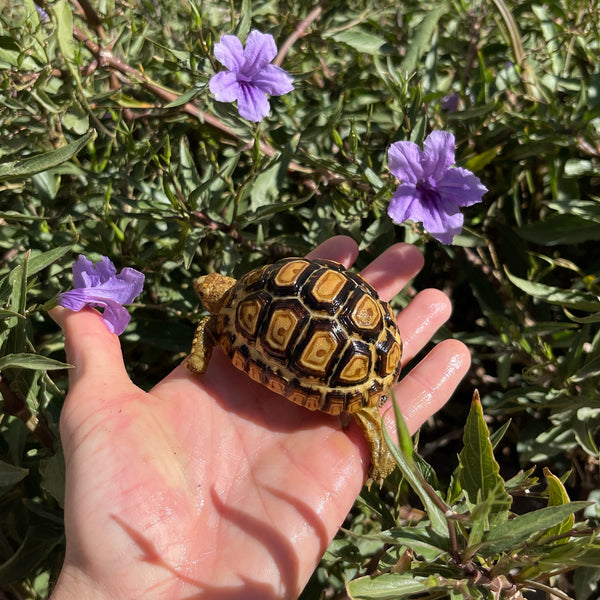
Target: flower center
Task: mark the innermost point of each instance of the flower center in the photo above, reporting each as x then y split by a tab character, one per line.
244	77
428	192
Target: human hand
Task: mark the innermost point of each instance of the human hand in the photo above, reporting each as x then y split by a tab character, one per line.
212	486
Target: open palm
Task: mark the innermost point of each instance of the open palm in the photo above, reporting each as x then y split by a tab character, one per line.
213	486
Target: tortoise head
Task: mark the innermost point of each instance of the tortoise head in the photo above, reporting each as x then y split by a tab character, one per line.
212	289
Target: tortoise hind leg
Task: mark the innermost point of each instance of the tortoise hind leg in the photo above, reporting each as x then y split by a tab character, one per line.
202	346
382	461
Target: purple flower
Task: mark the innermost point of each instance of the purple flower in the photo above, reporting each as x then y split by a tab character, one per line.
432	191
250	76
99	285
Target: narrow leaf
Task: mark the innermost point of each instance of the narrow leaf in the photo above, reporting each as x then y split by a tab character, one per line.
45	259
420	487
404	437
41	162
245	22
421	42
561	229
64	19
515	531
573	299
25	360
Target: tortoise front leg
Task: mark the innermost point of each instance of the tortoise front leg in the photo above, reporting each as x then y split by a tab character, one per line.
382	461
202	346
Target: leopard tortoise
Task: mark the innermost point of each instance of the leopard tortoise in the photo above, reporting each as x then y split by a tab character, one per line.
311	331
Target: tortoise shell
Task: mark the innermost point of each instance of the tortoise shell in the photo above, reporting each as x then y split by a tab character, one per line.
313	332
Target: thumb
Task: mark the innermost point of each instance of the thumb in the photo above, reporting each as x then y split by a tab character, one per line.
92	349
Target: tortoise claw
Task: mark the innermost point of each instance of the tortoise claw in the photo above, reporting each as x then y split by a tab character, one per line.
202	346
382	461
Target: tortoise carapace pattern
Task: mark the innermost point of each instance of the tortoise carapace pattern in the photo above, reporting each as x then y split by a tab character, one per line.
313	332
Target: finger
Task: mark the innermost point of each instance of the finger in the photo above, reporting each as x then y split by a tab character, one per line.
91	348
340	248
423	316
428	386
393	269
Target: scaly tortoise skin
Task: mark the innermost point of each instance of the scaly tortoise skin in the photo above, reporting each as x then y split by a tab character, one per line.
310	331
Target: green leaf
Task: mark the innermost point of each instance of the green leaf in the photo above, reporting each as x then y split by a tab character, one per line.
423	542
561	229
25	360
481	160
587	209
573	299
421	42
397	586
479	471
38	262
10	475
404	437
76	121
557	495
7	314
243	27
35	164
590	370
53	472
64	19
39	541
18	303
515	531
389	586
488	510
360	40
419	486
186	96
497	436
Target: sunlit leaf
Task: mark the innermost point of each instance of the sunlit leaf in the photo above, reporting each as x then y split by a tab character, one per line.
421	41
41	162
361	41
522	527
30	361
480	472
557	495
572	299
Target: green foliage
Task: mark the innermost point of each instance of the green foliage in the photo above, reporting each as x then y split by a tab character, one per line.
484	550
111	144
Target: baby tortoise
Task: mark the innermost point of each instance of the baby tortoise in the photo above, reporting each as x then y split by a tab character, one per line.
310	331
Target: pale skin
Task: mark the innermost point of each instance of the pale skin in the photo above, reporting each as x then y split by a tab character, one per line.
214	487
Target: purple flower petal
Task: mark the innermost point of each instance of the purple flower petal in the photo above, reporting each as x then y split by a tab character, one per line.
259	52
250	76
404	160
225	86
450	225
116	317
404	204
230	52
438	153
461	187
273	80
252	103
100	285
